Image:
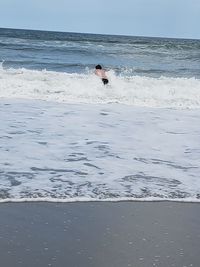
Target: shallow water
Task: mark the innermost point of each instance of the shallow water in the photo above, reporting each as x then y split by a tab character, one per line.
63	152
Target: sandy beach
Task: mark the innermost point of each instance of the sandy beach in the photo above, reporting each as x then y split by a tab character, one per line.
100	234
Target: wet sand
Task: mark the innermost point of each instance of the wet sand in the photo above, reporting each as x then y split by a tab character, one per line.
121	234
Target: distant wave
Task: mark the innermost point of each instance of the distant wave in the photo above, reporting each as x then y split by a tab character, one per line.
87	88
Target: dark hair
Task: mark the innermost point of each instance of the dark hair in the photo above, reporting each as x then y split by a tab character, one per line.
98	67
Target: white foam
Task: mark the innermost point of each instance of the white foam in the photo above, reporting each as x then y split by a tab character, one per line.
85	199
66	152
87	88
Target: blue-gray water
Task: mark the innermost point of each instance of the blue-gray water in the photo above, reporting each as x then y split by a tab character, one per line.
77	52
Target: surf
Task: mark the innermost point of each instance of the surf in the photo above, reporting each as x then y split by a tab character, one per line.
162	92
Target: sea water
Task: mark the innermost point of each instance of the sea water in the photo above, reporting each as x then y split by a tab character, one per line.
66	137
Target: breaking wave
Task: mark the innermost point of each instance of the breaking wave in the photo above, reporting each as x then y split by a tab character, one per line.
164	92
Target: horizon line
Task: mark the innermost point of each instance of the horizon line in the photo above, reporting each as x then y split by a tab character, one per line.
109	34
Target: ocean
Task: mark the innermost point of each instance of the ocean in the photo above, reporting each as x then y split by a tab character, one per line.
66	137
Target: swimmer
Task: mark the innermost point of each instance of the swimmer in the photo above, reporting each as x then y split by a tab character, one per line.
102	74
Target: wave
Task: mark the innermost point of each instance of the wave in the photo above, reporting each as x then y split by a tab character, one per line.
143	91
85	199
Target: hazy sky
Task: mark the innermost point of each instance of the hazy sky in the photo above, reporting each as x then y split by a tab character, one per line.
171	18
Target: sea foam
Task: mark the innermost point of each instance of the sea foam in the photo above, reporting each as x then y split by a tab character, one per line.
166	92
81	152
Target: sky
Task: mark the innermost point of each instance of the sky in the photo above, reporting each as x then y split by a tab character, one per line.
161	18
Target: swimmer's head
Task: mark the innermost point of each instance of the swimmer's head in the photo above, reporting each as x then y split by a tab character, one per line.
98	67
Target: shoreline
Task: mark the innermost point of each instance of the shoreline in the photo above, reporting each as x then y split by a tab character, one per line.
91	200
108	234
